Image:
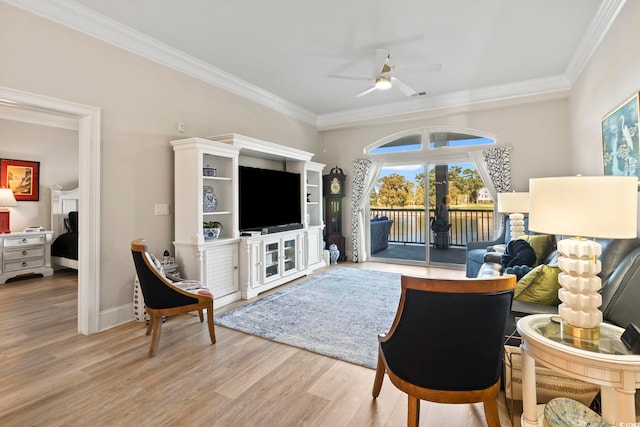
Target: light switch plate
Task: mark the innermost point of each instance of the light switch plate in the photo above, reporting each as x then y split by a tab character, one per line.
162	209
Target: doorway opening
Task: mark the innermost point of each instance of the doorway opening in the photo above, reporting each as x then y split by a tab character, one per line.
87	121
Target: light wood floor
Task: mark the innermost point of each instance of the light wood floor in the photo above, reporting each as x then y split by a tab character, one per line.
52	376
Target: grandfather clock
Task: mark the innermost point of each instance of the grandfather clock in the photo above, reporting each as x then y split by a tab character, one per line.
333	191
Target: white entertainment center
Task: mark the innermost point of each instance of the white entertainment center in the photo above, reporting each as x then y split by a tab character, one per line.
238	266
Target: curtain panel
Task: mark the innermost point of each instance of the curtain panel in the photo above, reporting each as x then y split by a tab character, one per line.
365	172
494	167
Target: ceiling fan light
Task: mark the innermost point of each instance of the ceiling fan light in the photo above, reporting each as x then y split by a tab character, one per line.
383	83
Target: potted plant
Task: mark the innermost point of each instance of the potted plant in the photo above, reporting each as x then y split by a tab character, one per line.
211	229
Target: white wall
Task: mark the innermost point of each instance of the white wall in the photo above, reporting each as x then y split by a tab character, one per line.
536	128
612	76
56	150
141	103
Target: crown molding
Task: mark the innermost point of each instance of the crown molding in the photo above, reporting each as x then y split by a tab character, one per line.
91	23
449	100
598	28
86	21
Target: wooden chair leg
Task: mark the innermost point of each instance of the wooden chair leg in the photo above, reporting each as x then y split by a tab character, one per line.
149	325
155	337
377	383
212	333
201	315
413	412
491	412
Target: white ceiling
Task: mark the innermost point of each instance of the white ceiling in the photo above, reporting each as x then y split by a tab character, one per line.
281	53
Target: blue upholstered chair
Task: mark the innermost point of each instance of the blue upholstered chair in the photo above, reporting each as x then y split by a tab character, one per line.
434	353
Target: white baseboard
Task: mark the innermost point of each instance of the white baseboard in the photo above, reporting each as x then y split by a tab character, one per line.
116	316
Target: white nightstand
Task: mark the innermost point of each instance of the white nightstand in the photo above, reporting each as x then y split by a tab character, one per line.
25	253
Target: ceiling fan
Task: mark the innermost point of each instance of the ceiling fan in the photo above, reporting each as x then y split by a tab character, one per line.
384	75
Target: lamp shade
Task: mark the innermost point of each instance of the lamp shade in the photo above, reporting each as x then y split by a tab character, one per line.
595	206
6	198
513	202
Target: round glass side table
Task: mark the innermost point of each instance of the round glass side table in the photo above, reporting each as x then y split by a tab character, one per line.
605	362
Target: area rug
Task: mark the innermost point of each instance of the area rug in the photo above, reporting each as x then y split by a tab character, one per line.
339	314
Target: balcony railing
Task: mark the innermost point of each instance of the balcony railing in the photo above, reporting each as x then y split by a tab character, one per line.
409	225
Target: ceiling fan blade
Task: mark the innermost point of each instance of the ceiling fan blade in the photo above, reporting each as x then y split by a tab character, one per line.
417	69
395	42
381	59
340	76
403	87
364	92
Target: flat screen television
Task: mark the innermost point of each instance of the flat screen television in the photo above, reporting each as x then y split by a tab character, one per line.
268	198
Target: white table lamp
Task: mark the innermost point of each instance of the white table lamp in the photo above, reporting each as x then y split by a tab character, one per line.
597	207
516	205
6	200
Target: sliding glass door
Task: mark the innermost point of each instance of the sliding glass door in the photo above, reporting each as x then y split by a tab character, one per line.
426	211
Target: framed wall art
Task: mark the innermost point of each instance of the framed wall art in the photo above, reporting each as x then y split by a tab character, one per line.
620	141
22	177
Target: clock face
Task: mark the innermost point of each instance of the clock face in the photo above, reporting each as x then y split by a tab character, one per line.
335	186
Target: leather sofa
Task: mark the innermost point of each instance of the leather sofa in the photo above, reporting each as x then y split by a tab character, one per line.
380	229
477	250
620	275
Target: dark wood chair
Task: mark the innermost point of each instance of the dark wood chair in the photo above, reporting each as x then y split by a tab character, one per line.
164	298
446	342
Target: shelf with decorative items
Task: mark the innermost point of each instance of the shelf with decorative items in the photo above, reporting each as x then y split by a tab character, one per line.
205	189
207	194
206	215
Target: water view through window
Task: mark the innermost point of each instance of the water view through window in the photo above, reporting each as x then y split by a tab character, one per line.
439	205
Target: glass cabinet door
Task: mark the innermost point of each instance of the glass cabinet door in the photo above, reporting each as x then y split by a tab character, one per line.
271	260
289	255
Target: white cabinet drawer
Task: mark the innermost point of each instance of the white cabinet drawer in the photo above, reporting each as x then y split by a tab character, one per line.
14	242
26	264
33	252
25	252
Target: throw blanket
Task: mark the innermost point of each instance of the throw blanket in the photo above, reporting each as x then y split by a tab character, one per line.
518	252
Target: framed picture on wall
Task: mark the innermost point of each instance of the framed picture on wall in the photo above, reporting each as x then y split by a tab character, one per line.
620	141
22	177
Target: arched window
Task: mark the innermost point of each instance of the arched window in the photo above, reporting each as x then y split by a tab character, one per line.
430	165
427	139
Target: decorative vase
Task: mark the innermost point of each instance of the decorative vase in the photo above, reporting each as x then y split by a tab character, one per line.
211	233
209	199
334	253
